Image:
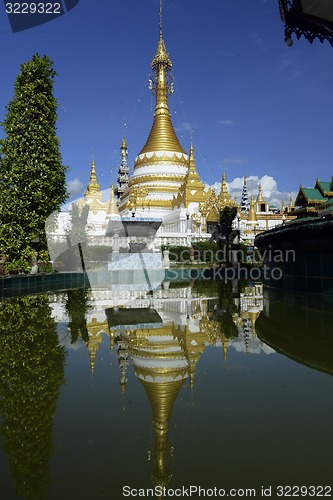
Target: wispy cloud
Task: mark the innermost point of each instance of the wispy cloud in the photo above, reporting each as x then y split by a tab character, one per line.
226	122
185	127
74	188
233	161
258	42
291	67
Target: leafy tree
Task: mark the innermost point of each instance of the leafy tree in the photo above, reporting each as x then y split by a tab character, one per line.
227	216
32	177
31	374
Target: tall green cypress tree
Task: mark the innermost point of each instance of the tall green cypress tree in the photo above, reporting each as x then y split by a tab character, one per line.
32	176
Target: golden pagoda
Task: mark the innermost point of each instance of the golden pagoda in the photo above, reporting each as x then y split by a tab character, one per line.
95	338
261	206
162	368
224	196
192	189
211	207
162	164
252	217
93	196
291	205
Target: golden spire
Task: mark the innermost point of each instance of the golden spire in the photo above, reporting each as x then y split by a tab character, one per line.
93	186
224	196
162	136
191	159
291	205
224	188
123	146
225	343
192	169
112	209
192	189
253	317
260	198
162	396
252	214
282	207
93	345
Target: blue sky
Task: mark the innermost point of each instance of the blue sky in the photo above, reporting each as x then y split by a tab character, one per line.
255	104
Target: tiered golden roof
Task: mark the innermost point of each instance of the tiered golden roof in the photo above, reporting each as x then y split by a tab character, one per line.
209	208
260	198
224	196
93	186
213	204
192	189
93	196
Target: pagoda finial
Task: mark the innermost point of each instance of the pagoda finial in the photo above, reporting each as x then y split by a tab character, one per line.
191	161
93	186
162	136
124	134
161	18
260	198
291	205
224	188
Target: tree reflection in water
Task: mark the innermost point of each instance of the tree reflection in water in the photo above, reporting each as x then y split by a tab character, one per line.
31	374
77	306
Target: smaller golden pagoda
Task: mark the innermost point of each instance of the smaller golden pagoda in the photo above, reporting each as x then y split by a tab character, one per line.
260	198
213	203
261	206
291	205
252	217
224	196
192	189
93	196
95	338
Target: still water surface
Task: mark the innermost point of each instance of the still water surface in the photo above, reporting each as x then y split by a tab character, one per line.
206	384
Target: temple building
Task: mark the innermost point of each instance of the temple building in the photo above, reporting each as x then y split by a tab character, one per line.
311	202
165	184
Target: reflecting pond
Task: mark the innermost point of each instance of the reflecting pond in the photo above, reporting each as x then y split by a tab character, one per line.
201	383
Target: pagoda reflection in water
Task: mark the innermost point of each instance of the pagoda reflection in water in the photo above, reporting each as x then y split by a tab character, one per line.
163	334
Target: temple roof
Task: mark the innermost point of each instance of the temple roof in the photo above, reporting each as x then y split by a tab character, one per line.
309	195
324	187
